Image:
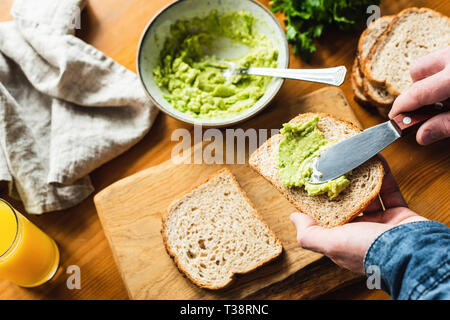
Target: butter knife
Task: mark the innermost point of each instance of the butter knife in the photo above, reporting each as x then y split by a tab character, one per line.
348	154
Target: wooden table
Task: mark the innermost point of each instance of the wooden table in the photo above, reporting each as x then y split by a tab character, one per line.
114	27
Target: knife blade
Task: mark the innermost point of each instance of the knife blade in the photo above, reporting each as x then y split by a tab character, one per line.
348	154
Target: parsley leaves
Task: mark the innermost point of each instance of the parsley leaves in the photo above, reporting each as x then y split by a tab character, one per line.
307	20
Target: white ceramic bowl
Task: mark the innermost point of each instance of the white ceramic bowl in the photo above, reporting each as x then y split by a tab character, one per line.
157	30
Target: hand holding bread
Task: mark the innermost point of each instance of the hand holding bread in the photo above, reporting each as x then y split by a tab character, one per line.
346	245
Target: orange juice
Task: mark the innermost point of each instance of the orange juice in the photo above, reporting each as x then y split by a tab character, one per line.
28	257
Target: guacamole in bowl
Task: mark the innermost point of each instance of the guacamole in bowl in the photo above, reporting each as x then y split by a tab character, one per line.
198	88
179	44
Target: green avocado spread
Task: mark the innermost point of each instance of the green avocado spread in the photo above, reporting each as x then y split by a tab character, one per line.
301	143
197	88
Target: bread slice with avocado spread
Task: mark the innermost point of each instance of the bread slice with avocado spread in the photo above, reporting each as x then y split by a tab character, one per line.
214	232
364	181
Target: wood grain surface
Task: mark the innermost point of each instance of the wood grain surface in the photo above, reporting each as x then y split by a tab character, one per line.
131	210
114	27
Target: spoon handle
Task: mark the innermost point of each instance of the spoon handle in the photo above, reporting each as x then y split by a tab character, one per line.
334	76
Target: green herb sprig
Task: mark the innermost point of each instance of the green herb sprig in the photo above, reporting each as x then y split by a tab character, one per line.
307	20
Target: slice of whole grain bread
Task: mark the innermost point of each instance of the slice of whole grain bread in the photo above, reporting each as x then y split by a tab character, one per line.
364	101
378	95
375	97
371	34
412	34
214	232
365	181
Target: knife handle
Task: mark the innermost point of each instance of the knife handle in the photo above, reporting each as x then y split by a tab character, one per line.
409	119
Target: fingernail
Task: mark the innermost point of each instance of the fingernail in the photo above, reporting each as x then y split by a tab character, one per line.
391	115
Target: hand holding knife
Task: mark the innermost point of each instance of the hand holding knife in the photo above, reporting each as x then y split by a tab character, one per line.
354	151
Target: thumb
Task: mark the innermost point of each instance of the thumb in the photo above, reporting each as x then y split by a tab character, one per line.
309	234
301	221
435	129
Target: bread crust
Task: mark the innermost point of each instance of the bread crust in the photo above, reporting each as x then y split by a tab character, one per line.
362	94
364	34
363	86
366	63
234	274
360	43
358	80
297	205
358	96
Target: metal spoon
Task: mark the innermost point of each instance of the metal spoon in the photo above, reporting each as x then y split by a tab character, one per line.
334	76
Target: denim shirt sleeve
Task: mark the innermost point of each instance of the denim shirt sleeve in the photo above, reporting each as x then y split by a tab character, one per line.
413	260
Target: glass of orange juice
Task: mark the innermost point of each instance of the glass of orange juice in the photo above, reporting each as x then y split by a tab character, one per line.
28	257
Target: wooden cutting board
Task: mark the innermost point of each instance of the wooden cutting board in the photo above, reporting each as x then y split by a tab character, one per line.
130	211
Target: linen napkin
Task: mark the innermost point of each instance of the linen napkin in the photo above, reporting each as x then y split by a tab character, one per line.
65	108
